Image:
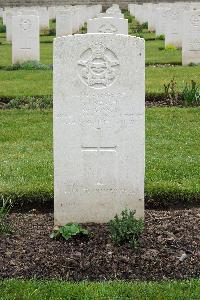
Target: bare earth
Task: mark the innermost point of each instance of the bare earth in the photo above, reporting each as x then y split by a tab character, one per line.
168	235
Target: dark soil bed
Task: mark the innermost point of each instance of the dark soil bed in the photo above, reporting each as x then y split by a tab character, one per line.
29	252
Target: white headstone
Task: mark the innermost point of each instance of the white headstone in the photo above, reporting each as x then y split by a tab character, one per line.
99	94
4	17
1	12
64	22
28	12
75	19
44	17
173	28
110	15
8	22
25	39
161	20
152	17
191	37
107	25
52	12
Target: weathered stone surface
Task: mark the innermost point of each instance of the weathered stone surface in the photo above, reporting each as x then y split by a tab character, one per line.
161	20
99	93
110	15
64	22
173	27
8	23
43	17
25	39
107	25
191	37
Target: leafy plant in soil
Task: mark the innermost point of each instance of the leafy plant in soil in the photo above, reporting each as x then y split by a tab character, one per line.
126	228
191	93
4	225
68	231
171	91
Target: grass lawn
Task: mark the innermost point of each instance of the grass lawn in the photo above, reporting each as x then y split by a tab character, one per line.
36	290
31	83
46	52
25	83
39	82
153	54
172	154
156	53
157	77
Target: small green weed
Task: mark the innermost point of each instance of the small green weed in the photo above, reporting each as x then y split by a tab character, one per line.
2	28
30	103
83	29
126	229
191	93
130	19
170	48
171	92
48	32
193	65
140	27
4	225
160	37
68	231
29	65
145	25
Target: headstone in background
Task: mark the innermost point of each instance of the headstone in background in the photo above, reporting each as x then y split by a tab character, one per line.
52	12
152	17
99	94
191	37
43	17
1	12
64	22
8	23
110	15
75	19
107	25
25	40
173	28
161	20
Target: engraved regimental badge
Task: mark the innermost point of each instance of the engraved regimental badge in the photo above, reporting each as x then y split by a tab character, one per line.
25	24
98	66
195	20
107	28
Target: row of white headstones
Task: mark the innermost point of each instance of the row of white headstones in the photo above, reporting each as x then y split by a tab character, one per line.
78	14
178	22
99	96
98	120
23	27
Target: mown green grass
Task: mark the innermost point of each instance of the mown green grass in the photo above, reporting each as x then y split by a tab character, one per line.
156	77
46	52
25	83
153	54
31	83
156	53
26	154
172	155
39	82
54	290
